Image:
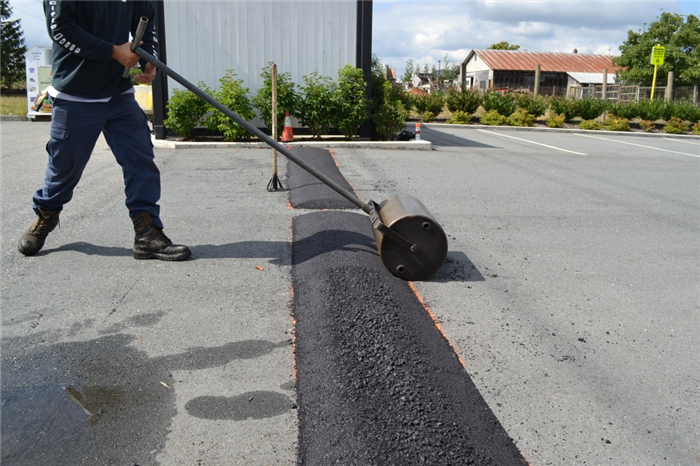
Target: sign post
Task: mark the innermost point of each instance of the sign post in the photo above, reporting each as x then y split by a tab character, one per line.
657	58
38	62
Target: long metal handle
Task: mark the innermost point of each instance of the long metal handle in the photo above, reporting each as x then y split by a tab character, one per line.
140	30
254	130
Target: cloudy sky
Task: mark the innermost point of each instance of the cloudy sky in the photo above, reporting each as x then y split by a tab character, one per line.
425	31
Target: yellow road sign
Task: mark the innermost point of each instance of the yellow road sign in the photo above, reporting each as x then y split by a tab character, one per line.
657	55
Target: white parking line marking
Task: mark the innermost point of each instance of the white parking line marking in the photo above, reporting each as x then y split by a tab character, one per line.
531	142
638	145
680	140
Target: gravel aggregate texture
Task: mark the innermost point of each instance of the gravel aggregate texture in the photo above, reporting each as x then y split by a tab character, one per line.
377	382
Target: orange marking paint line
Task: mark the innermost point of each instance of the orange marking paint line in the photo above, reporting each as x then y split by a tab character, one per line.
294	340
437	324
291	314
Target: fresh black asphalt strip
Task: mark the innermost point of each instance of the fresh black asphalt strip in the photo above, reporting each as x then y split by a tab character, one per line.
306	192
377	382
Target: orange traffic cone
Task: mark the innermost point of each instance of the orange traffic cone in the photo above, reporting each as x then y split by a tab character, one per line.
287	133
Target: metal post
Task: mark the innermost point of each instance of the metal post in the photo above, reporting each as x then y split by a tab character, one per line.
605	84
536	92
669	87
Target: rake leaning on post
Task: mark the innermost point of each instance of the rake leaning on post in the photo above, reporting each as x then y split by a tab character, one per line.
91	96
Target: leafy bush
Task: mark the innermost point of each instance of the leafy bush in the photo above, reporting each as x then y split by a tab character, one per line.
390	118
647	125
676	126
317	109
562	106
556	120
350	101
433	103
436	102
185	111
234	96
427	116
589	108
590	124
629	109
696	128
409	101
460	118
397	94
683	109
651	109
463	100
492	117
536	105
521	117
420	103
503	104
287	98
378	80
616	123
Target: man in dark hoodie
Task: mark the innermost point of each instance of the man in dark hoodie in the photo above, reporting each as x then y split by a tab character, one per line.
90	96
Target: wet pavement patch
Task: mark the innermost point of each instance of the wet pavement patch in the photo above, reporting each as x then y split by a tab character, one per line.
377	382
104	401
306	191
254	405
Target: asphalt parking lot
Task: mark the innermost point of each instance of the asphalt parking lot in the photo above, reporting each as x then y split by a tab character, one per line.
571	293
579	322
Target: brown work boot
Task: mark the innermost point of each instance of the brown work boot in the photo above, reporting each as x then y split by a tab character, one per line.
33	240
151	243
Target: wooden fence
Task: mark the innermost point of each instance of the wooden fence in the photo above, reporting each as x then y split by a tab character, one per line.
617	92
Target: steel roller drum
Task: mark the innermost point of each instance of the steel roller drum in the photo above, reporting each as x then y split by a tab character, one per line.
408	217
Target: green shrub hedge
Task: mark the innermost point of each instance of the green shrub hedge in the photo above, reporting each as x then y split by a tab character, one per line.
323	105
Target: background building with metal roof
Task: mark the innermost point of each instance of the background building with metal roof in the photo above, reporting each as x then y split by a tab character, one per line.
515	70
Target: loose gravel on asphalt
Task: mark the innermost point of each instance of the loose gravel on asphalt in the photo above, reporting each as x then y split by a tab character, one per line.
377	382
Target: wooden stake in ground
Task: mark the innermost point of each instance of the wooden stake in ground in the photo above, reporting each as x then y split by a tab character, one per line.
274	183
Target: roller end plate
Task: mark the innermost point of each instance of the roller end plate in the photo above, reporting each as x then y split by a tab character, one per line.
411	243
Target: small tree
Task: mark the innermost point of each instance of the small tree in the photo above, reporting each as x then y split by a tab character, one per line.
350	100
561	105
436	102
317	108
287	98
679	34
589	108
378	80
503	45
463	100
535	104
432	103
12	47
409	71
450	71
185	111
390	118
651	110
504	104
234	96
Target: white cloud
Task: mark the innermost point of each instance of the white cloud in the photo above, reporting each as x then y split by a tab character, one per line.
426	30
429	29
595	14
